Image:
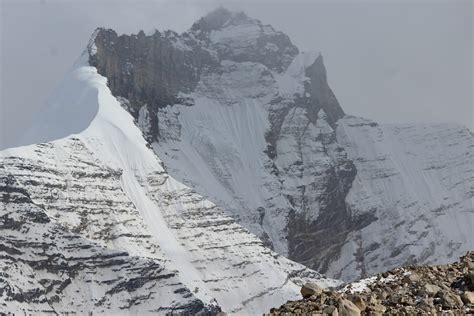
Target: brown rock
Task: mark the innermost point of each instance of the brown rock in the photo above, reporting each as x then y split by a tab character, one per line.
310	289
358	301
431	289
450	300
471	277
377	309
411	278
347	308
468	297
331	310
427	305
444	289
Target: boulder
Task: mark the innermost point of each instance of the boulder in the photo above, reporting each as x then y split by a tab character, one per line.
471	278
331	310
347	308
358	301
377	309
411	278
450	300
468	297
431	289
309	289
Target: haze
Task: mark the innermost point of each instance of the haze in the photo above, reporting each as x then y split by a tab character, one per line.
391	61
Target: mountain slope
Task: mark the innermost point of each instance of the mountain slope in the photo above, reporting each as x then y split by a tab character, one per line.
250	122
106	190
48	269
147	130
418	181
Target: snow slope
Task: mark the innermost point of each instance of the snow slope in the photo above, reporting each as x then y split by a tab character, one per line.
412	185
106	186
418	180
341	195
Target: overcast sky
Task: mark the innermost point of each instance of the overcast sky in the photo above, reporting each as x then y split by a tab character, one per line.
391	61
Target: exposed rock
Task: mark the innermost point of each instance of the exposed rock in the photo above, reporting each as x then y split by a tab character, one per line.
468	297
331	310
471	276
411	278
430	289
402	291
309	289
358	301
347	308
149	70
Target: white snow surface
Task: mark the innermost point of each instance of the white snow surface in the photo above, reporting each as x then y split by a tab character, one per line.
413	181
217	259
418	180
292	81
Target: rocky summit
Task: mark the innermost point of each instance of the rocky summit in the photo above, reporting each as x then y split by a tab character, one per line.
412	290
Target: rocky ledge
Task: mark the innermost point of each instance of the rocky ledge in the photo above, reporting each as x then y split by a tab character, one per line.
412	290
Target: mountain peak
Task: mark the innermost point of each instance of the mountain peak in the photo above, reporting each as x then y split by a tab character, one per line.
221	17
238	37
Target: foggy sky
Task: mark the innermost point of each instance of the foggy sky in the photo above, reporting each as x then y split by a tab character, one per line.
391	61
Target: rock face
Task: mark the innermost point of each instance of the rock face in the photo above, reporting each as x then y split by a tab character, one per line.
92	223
413	290
149	70
236	112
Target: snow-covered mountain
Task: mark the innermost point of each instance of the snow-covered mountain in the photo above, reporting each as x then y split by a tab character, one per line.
236	112
92	222
109	207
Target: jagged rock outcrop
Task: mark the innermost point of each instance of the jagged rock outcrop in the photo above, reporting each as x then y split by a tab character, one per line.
258	130
412	290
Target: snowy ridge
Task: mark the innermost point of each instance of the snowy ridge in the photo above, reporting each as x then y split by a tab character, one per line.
105	185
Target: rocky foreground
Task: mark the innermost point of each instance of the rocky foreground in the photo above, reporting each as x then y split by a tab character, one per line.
412	290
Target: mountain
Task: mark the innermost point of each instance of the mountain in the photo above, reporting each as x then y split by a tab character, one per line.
174	173
91	222
237	113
